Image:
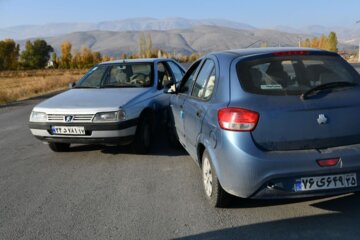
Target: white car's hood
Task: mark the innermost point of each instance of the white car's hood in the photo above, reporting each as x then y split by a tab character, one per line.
90	100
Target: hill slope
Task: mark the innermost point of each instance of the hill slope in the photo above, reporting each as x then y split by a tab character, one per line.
184	41
130	24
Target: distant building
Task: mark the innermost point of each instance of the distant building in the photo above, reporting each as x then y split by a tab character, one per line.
50	64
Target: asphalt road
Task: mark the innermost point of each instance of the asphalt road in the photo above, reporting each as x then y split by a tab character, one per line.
96	192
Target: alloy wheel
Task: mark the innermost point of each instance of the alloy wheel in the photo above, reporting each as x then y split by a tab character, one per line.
207	177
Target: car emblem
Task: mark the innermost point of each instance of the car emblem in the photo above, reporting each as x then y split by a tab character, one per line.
322	119
68	118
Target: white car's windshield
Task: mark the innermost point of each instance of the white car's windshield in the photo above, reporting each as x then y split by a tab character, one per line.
118	75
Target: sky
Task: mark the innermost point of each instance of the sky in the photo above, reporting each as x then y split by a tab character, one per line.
259	13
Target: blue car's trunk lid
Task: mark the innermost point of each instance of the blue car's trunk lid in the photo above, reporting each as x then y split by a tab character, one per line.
289	123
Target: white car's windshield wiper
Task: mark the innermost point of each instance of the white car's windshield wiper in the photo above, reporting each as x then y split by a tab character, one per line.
122	86
326	86
84	87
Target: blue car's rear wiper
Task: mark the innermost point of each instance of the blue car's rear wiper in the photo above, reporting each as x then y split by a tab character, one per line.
326	86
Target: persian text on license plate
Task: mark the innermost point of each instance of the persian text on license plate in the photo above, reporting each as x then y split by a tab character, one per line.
326	182
68	130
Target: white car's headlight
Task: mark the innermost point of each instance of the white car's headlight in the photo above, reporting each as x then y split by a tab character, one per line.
109	116
38	117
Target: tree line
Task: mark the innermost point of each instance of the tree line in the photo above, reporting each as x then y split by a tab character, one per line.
328	43
39	54
34	56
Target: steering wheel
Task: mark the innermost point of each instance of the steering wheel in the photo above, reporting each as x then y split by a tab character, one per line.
138	78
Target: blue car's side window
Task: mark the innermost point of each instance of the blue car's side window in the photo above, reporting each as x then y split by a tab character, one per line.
205	81
209	89
187	86
188	80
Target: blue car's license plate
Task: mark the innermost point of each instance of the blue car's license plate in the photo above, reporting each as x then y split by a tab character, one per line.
326	182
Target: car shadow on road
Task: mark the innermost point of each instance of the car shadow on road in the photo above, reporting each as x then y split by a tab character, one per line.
341	223
160	146
236	202
30	101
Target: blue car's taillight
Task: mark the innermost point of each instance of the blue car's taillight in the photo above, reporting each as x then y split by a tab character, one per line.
237	119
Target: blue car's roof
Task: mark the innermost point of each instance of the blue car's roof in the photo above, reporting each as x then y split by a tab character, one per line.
262	51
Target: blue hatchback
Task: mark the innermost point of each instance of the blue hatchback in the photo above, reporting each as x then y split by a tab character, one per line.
271	123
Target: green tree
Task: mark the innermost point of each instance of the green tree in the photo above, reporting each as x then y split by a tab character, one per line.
55	60
306	43
97	57
315	42
105	58
76	60
332	42
193	57
145	46
36	55
327	43
323	42
123	56
87	57
142	44
65	60
148	46
264	44
9	54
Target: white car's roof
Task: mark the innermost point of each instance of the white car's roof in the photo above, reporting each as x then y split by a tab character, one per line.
138	60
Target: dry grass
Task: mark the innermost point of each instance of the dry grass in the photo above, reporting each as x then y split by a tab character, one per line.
19	85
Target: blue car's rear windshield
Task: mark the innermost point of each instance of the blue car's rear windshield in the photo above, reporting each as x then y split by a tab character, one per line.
293	75
118	75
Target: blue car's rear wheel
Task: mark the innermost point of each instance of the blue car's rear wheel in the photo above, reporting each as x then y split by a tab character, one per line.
213	190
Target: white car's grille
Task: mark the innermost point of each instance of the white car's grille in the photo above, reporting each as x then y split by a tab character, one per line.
55	118
70	118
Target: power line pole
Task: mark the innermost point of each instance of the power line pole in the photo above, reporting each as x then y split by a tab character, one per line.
359	43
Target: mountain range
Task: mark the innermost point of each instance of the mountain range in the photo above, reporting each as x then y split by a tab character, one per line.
131	24
199	39
178	35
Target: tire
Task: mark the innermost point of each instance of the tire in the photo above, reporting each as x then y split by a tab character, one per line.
59	147
142	141
173	137
171	131
215	194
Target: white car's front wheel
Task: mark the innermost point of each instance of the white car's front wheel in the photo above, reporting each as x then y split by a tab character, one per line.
142	142
59	147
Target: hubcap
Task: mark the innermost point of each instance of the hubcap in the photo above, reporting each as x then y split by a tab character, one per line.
207	176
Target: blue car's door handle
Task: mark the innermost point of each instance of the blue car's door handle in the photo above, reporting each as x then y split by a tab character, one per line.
182	114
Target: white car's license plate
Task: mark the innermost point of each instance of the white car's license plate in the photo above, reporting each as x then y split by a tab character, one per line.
326	182
68	130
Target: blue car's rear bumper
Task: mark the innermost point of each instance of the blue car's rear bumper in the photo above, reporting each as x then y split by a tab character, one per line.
246	171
